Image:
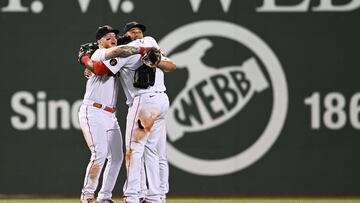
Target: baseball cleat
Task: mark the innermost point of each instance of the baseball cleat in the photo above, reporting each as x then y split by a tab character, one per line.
89	200
105	201
141	200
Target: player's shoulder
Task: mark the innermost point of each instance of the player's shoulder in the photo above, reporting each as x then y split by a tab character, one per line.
134	43
150	39
97	54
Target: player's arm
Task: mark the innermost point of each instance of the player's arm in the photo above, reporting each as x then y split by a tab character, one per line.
166	64
97	67
123	51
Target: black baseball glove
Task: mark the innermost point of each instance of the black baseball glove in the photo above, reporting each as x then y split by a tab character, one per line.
87	49
144	77
152	57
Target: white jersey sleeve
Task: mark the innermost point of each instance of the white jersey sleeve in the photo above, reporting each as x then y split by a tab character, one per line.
112	64
151	41
98	55
115	64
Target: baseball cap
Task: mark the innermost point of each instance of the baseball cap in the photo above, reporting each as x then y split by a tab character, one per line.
103	30
133	24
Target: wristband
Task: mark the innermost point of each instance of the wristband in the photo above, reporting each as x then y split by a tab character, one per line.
85	59
142	50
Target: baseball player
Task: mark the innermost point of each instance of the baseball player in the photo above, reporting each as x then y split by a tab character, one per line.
134	31
98	121
145	129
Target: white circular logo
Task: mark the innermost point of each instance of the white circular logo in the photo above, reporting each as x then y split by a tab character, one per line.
273	128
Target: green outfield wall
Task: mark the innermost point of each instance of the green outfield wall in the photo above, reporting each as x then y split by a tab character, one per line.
265	100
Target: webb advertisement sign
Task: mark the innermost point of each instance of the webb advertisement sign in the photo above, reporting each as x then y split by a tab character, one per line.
264	100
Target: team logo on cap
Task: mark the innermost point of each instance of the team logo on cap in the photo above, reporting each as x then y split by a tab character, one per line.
234	100
113	62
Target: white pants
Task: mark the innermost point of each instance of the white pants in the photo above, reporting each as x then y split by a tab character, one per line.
145	130
103	137
163	169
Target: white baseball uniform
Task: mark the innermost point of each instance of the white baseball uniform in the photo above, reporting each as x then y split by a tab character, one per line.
148	107
102	133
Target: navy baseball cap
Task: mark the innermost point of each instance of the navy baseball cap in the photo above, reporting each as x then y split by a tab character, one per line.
103	30
133	24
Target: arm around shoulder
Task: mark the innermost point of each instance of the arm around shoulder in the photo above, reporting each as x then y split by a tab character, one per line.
97	67
122	51
167	65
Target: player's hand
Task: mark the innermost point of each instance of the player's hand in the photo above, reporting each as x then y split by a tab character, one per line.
87	73
152	57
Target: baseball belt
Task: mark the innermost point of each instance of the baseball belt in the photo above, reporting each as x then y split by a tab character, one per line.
100	106
105	108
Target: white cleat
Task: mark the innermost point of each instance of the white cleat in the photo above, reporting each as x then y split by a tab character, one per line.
89	200
105	201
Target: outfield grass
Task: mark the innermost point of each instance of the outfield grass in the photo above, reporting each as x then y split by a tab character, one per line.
212	200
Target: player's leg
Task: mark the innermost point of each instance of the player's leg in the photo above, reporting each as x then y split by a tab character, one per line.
135	141
152	154
113	165
164	178
163	162
164	165
143	184
132	184
95	135
151	158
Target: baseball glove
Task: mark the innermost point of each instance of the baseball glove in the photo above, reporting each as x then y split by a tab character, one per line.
144	77
87	49
152	57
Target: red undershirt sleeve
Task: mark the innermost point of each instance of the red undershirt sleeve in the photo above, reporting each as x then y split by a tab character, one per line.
100	68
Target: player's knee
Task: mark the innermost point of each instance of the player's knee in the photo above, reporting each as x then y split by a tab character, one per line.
98	157
118	158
